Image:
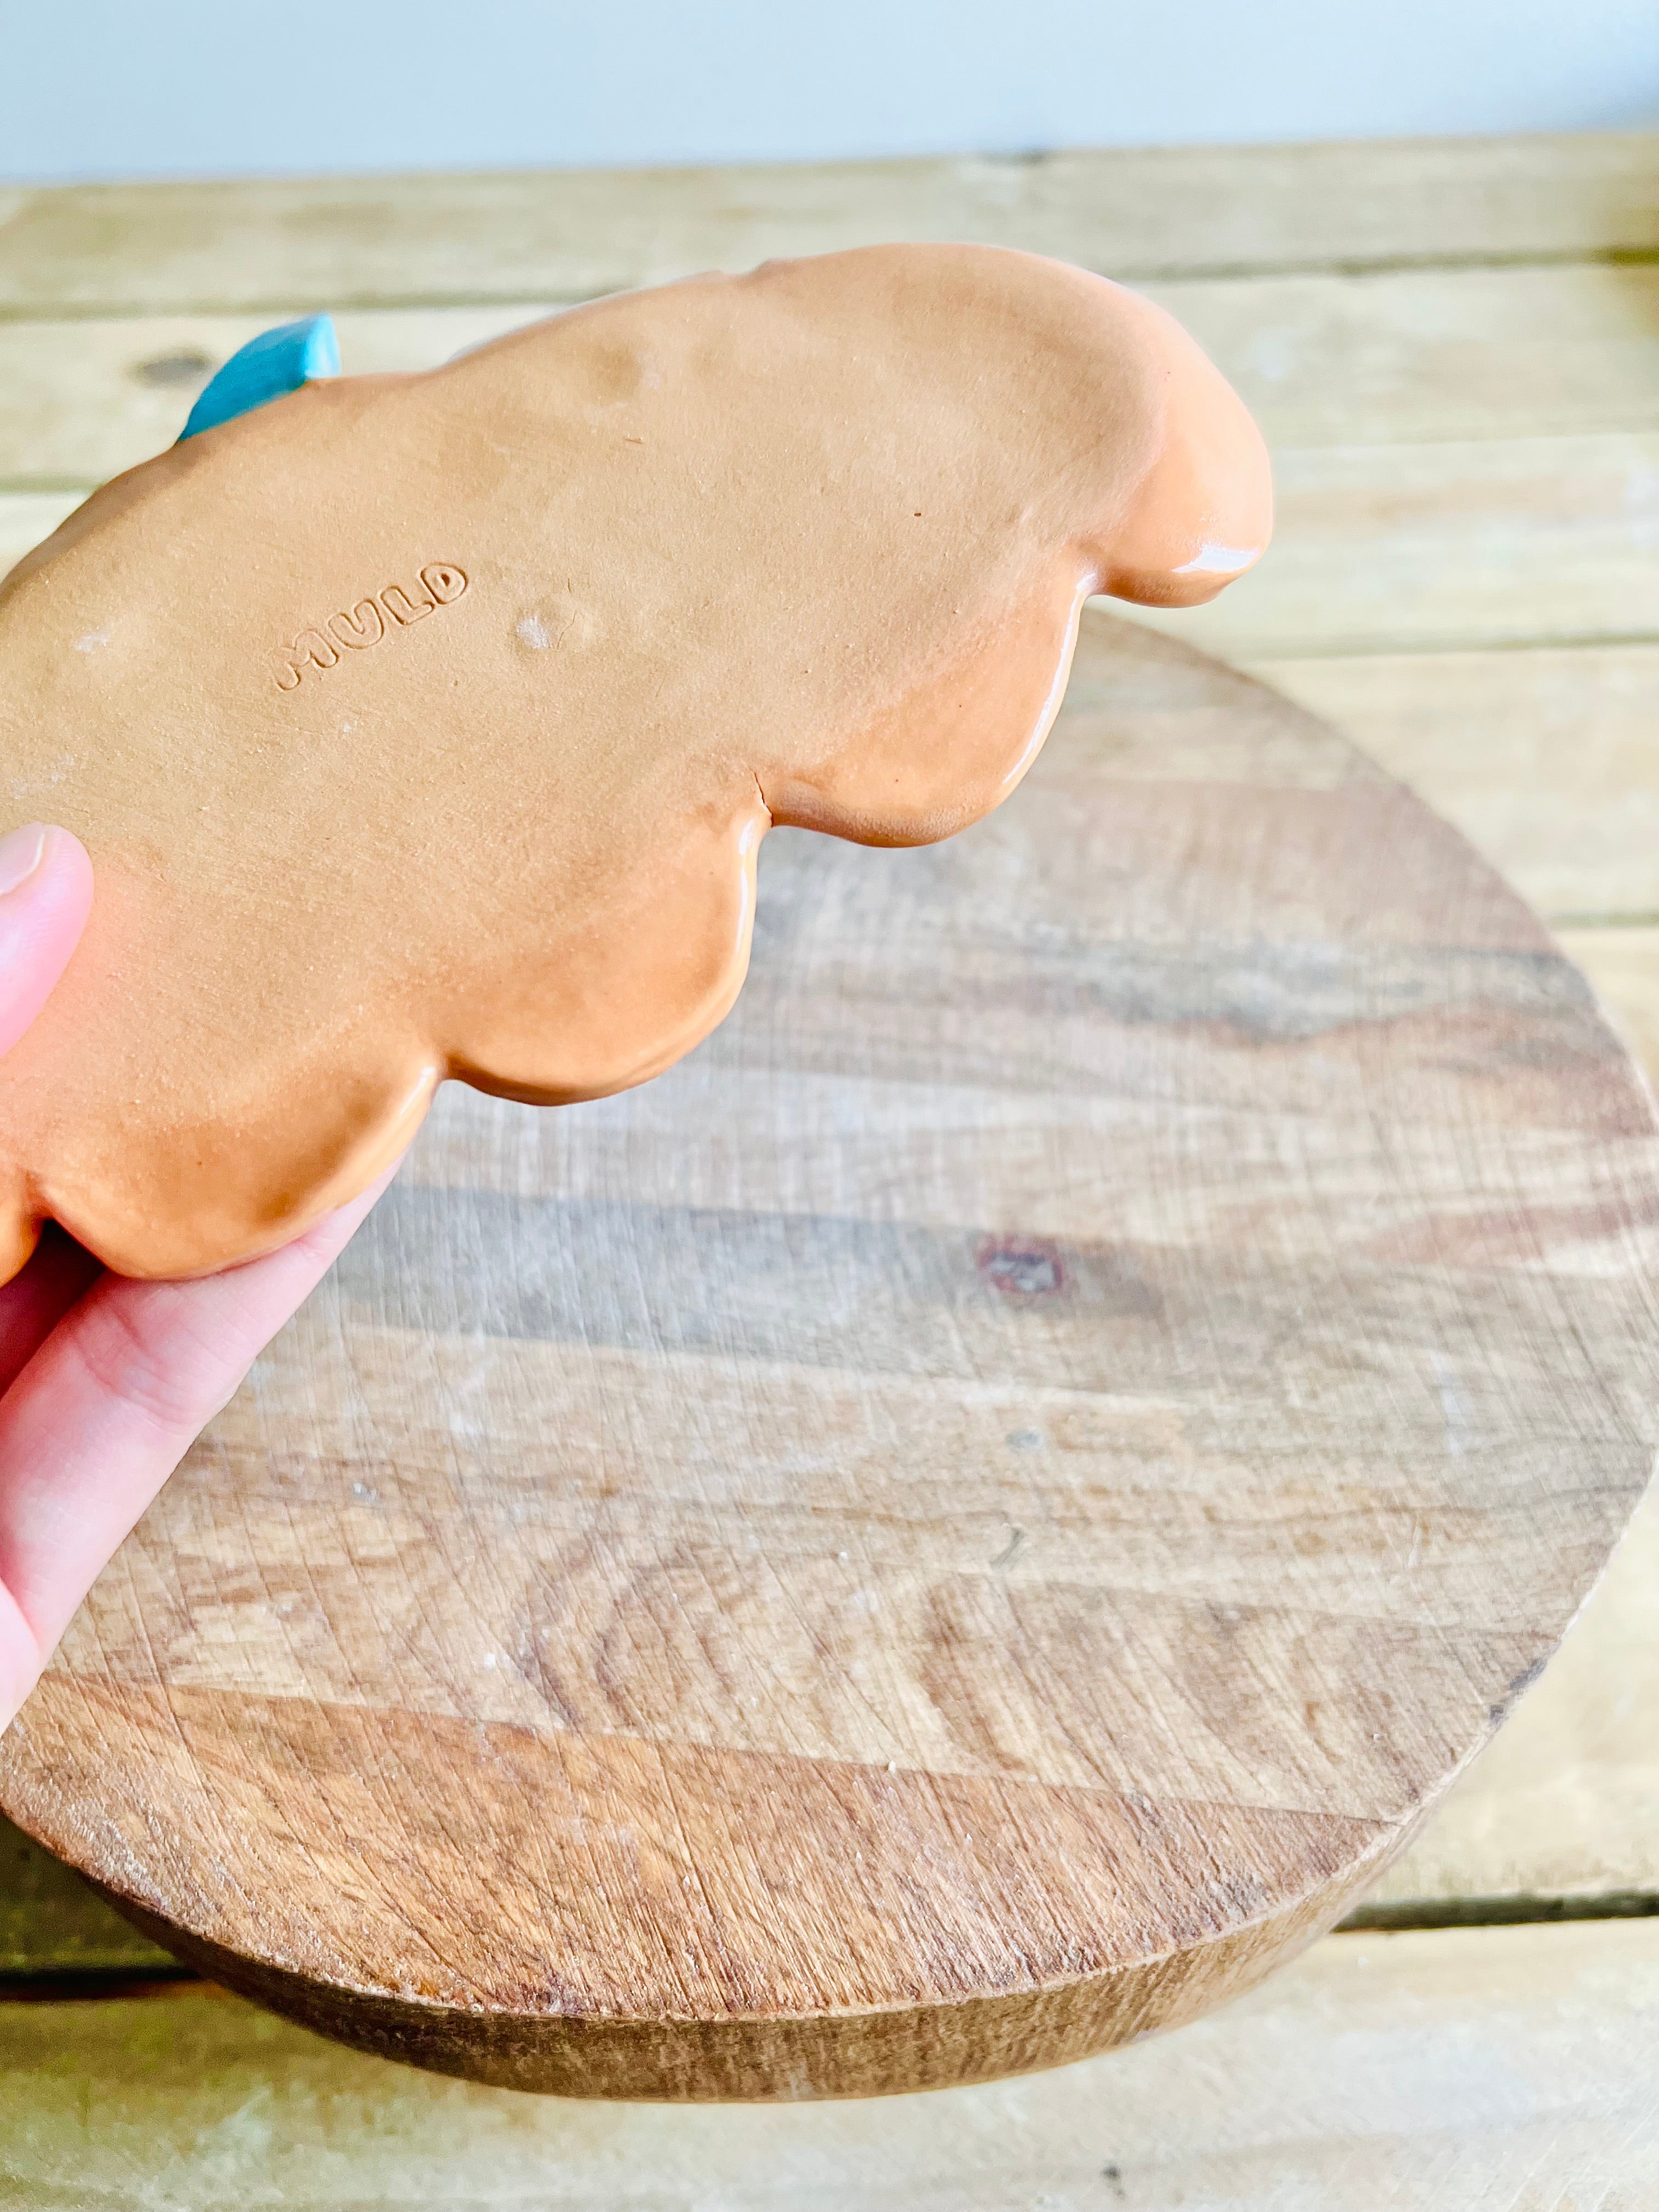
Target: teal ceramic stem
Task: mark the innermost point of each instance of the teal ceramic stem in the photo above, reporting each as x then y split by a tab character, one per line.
276	361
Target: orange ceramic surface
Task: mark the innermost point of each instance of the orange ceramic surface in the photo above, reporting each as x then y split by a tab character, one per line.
427	725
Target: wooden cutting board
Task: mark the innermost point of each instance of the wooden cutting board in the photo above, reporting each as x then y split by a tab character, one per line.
956	1527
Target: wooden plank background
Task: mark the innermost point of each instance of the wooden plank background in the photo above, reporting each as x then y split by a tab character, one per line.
1506	2070
1453	348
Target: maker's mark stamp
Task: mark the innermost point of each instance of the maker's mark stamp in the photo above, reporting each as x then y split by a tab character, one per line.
366	624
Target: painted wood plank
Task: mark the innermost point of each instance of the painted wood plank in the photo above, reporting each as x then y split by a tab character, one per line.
1564	1801
1416	548
1624	966
79	402
51	1922
1416	354
1400	356
1165	212
1492	2070
1547	760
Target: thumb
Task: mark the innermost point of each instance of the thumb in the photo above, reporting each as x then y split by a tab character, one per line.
46	895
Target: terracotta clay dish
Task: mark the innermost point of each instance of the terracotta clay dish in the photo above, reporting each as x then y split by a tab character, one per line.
956	1527
427	725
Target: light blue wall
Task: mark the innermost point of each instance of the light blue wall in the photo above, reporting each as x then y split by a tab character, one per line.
178	87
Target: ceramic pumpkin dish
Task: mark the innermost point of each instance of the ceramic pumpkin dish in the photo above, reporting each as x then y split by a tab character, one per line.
427	725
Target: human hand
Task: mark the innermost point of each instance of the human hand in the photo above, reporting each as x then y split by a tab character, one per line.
104	1382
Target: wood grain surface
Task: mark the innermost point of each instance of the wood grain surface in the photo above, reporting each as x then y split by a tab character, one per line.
954	1529
1142	213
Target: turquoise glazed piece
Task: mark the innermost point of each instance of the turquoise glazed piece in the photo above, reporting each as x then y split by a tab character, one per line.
276	361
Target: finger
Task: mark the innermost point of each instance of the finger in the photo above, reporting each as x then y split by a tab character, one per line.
46	895
104	1411
33	1303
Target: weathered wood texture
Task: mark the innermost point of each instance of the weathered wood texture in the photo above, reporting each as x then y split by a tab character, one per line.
102	250
1547	760
1481	2071
1564	1804
958	1525
1408	548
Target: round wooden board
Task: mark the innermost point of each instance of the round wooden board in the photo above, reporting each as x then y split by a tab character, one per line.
957	1526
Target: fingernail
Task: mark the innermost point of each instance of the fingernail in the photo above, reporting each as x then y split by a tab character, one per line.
20	855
